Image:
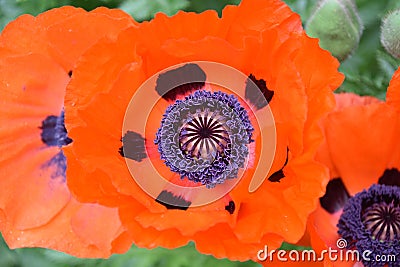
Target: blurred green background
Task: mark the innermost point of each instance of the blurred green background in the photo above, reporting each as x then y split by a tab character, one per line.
368	71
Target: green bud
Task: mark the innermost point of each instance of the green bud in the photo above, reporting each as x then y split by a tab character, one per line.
337	24
390	33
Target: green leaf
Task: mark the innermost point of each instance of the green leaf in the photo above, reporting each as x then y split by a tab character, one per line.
90	4
144	10
36	7
363	84
288	246
186	256
302	7
200	6
387	64
393	4
9	10
8	257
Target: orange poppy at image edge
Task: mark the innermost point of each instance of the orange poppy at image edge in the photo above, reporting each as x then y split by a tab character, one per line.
38	56
355	168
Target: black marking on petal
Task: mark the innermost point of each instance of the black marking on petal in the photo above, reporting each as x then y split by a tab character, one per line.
335	197
54	132
390	177
58	164
278	175
170	201
189	77
230	207
133	146
70	73
257	92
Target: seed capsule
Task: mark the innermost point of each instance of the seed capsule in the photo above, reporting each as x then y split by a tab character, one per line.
390	33
337	24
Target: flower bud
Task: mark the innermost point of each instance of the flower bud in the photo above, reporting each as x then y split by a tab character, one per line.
390	33
337	24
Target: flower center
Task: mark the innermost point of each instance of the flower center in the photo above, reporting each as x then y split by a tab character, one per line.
371	222
383	221
204	137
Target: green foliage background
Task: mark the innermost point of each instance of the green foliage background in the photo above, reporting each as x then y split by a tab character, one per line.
368	72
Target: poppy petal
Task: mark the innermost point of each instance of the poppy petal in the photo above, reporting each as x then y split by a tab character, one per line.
393	91
21	201
25	221
360	167
230	245
60	234
249	19
58	32
323	226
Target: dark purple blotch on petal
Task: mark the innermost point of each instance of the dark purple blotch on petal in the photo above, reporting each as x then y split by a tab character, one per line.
276	176
58	166
133	146
390	177
54	132
257	92
180	81
335	197
170	201
230	207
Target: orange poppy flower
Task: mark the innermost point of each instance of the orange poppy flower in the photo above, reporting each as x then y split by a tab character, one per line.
360	211
295	79
38	56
